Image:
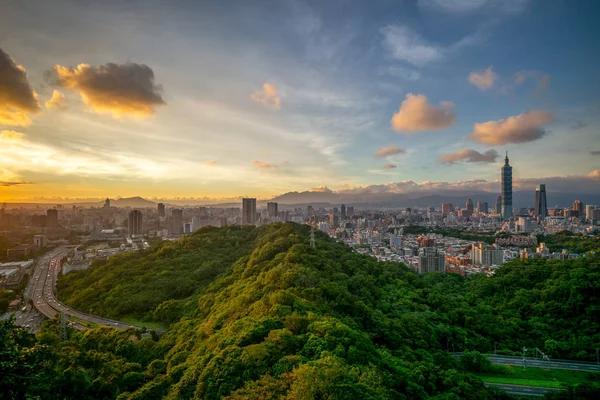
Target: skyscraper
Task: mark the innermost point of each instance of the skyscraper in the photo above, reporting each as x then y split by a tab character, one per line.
578	208
107	203
498	206
343	211
469	205
135	222
272	208
541	207
161	210
506	184
589	211
176	221
52	218
482	207
446	208
248	211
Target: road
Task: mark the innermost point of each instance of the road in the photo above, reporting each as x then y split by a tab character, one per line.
539	363
519	390
41	291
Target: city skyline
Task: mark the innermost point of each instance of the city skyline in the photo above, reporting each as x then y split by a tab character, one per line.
213	102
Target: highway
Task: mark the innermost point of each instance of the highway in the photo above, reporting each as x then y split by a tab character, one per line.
540	363
41	291
519	390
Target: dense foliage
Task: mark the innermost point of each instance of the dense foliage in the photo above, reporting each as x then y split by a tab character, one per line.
282	320
486	237
574	243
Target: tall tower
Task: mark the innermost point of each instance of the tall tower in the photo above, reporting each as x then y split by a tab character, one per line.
541	206
248	211
506	178
469	205
135	223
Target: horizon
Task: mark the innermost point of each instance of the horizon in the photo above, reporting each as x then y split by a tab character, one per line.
419	97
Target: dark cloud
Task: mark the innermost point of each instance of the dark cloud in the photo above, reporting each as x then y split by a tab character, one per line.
117	89
470	156
579	125
17	98
595	152
14	183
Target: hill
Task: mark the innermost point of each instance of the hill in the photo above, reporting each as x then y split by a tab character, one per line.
260	314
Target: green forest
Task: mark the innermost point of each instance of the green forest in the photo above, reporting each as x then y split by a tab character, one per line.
257	313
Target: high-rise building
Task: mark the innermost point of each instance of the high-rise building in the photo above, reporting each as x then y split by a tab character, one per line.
482	207
431	260
161	210
446	208
589	211
334	220
135	222
524	225
498	205
310	211
343	211
107	203
349	211
469	205
506	184
52	218
483	254
248	211
272	208
541	206
176	221
578	208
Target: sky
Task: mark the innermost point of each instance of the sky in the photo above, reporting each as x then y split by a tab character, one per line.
216	100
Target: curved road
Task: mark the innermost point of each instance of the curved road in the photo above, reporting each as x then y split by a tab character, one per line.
519	390
41	292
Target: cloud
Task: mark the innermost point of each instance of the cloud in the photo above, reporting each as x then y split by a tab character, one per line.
389	150
17	98
469	6
390	166
541	80
268	96
57	101
401	72
11	136
416	114
264	165
406	45
116	89
470	156
211	163
594	174
484	80
14	183
523	128
320	189
595	152
579	125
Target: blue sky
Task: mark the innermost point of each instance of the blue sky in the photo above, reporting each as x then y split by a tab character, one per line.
336	73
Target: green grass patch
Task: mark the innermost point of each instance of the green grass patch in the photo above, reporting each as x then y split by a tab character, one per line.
539	377
132	320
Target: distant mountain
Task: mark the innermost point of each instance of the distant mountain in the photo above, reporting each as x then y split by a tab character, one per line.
521	199
134	202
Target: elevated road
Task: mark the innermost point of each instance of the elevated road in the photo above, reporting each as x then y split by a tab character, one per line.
540	363
519	390
41	291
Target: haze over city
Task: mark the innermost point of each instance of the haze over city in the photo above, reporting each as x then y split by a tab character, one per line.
211	101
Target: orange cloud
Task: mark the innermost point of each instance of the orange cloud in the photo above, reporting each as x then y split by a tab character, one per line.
262	164
483	80
57	101
17	98
390	166
471	156
268	97
116	89
595	174
522	128
211	162
320	189
11	136
389	150
416	114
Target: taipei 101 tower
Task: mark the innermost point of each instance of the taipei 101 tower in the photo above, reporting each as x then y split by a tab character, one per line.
506	178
